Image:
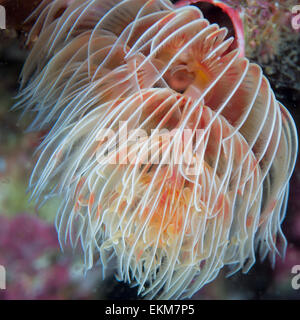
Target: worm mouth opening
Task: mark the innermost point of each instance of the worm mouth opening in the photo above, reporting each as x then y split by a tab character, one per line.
179	78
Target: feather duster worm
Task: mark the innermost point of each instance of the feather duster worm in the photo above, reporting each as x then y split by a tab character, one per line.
152	71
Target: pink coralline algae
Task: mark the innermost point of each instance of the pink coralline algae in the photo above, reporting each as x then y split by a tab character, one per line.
29	251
